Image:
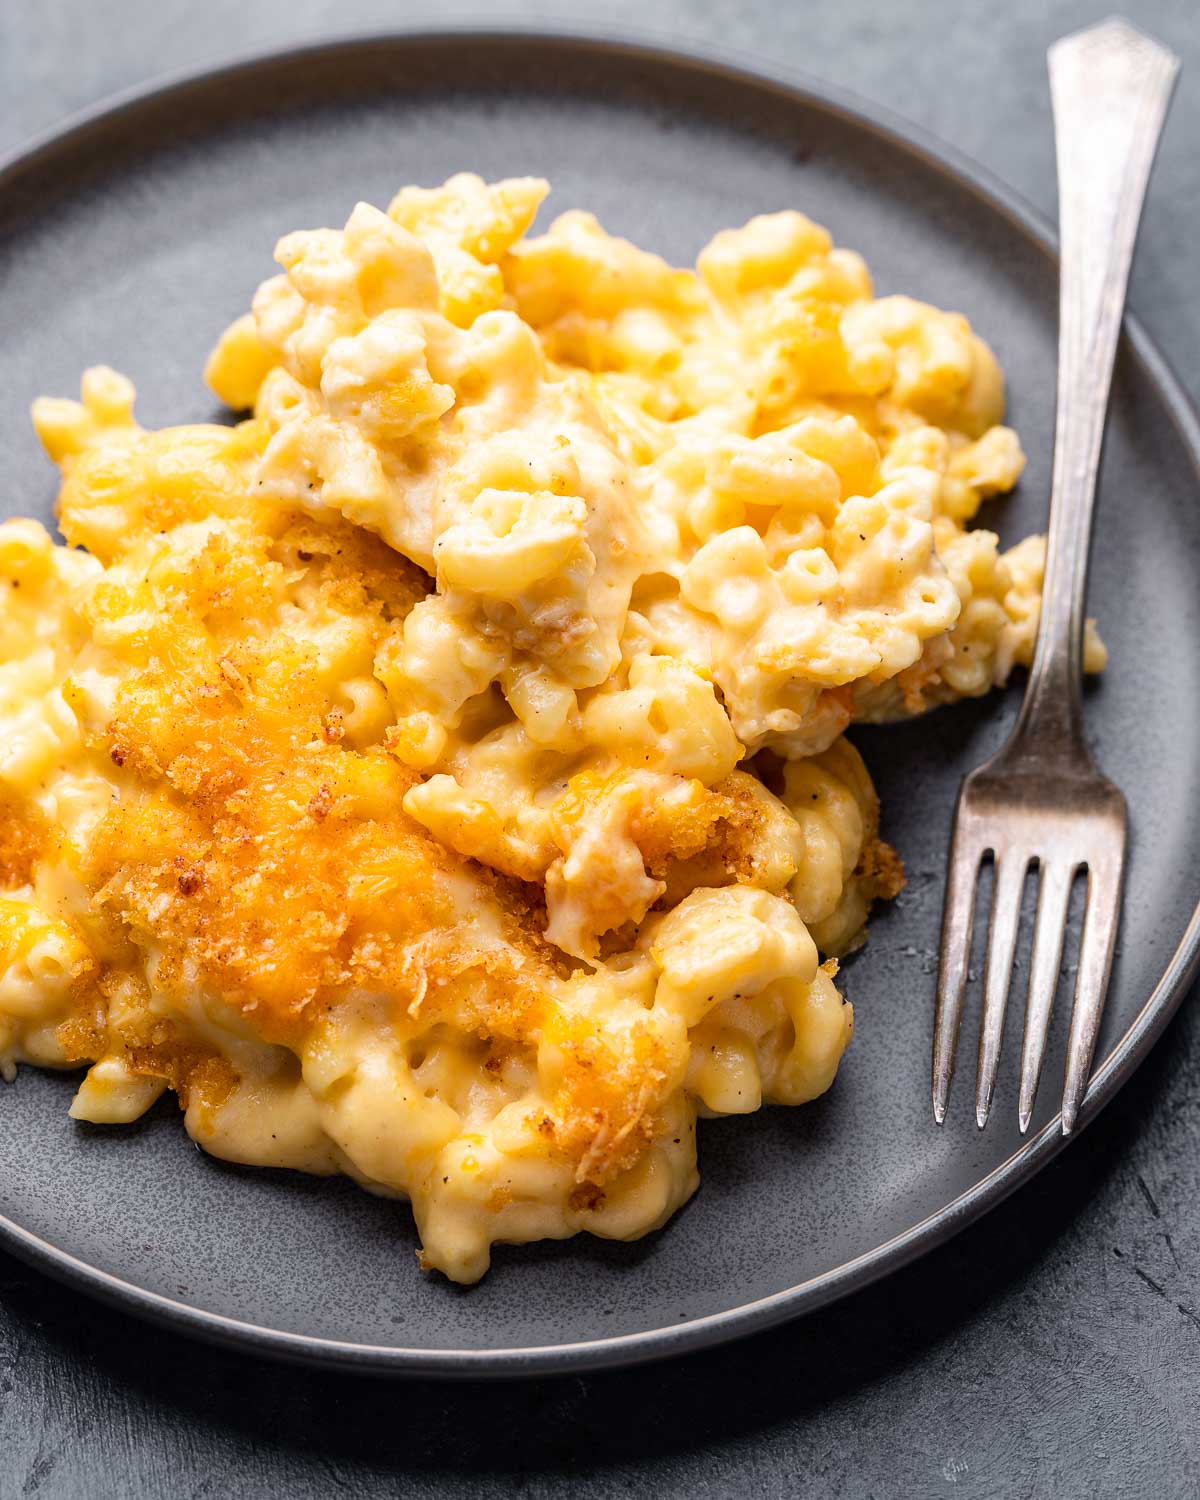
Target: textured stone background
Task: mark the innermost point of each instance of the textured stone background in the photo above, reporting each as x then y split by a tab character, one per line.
1053	1350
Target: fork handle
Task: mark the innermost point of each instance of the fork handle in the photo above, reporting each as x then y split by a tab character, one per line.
1110	88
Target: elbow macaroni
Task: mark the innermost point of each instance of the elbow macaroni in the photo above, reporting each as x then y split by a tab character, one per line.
439	776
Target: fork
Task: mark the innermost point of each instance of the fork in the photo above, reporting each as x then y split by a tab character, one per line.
1041	800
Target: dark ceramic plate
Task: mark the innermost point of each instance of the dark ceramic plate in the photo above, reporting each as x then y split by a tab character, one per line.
136	234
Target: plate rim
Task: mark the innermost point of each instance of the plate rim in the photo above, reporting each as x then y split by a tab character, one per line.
1131	1048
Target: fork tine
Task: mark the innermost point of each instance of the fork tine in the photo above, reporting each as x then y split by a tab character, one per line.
1053	895
957	921
1095	964
1007	887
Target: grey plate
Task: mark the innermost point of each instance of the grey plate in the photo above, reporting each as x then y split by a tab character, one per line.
135	234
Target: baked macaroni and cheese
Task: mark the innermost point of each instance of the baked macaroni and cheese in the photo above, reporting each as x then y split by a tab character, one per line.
439	776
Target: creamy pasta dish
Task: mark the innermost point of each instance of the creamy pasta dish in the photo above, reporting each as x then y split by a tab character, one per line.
438	776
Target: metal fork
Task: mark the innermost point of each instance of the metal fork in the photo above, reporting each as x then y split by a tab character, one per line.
1041	800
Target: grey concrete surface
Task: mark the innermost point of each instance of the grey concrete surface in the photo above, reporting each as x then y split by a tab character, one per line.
1053	1350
